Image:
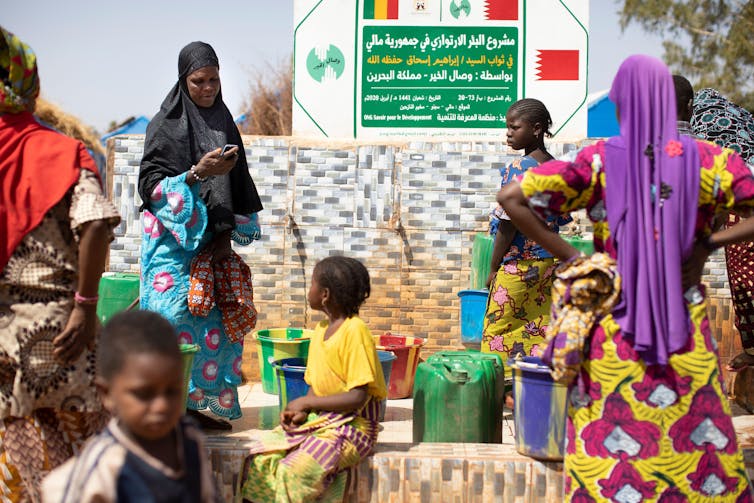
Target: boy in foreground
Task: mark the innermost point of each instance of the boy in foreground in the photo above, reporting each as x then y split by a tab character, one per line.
148	452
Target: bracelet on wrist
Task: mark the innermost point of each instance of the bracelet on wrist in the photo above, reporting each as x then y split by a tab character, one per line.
80	299
196	175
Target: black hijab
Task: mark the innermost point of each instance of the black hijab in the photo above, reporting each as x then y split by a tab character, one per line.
181	133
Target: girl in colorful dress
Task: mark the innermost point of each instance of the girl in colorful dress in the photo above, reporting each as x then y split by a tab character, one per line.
647	417
195	200
518	307
331	429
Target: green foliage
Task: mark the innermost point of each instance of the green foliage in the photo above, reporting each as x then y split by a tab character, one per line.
710	42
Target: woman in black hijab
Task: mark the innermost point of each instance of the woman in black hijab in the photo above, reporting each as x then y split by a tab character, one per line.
195	198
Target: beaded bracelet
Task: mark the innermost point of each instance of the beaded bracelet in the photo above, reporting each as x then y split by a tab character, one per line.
80	299
196	175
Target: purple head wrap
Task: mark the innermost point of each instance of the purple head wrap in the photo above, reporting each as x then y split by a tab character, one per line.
652	236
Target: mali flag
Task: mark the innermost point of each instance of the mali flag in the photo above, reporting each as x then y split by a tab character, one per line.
380	9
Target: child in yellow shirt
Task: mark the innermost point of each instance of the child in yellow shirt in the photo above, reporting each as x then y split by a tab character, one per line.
333	427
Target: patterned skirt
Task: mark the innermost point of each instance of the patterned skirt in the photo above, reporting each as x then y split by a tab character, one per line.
31	446
739	260
312	463
647	433
518	309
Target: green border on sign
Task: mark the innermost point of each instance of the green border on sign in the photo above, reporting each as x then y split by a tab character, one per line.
294	68
356	62
523	53
586	77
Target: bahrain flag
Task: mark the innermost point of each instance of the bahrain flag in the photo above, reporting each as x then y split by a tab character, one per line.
501	10
556	64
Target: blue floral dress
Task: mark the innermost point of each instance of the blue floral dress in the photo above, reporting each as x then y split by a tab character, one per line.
173	233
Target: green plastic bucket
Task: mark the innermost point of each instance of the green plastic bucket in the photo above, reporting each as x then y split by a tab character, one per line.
187	352
276	344
481	254
117	291
586	246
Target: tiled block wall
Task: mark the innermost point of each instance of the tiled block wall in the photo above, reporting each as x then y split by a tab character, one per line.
409	211
425	472
428	473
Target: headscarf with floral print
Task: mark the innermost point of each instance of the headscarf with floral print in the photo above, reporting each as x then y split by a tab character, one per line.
18	71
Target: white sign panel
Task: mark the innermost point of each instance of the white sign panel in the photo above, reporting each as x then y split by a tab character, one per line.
450	68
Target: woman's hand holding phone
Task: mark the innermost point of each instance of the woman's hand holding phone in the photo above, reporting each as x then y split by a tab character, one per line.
214	163
229	150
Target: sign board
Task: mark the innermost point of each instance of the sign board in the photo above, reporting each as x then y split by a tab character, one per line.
424	68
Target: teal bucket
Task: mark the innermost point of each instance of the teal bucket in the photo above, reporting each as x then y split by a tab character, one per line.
473	307
386	361
540	411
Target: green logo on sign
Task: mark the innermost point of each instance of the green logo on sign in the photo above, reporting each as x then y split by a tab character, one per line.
325	64
460	8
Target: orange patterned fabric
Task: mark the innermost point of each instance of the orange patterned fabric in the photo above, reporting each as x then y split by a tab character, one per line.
235	297
228	285
201	295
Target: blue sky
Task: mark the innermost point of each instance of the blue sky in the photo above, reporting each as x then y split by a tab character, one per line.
104	61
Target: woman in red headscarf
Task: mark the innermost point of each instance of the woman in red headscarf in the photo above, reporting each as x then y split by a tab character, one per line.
55	227
647	417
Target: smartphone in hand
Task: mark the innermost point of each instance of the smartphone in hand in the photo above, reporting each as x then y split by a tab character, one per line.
226	148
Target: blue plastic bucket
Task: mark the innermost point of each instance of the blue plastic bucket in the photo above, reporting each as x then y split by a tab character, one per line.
289	373
473	307
540	410
386	361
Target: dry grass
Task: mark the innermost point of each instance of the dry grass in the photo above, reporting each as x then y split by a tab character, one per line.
269	103
68	124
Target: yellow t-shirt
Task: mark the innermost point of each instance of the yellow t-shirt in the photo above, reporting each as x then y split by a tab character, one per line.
347	360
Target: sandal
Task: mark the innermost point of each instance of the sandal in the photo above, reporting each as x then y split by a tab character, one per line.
209	423
740	362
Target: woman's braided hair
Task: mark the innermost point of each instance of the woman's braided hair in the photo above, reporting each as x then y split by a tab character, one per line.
532	111
348	282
